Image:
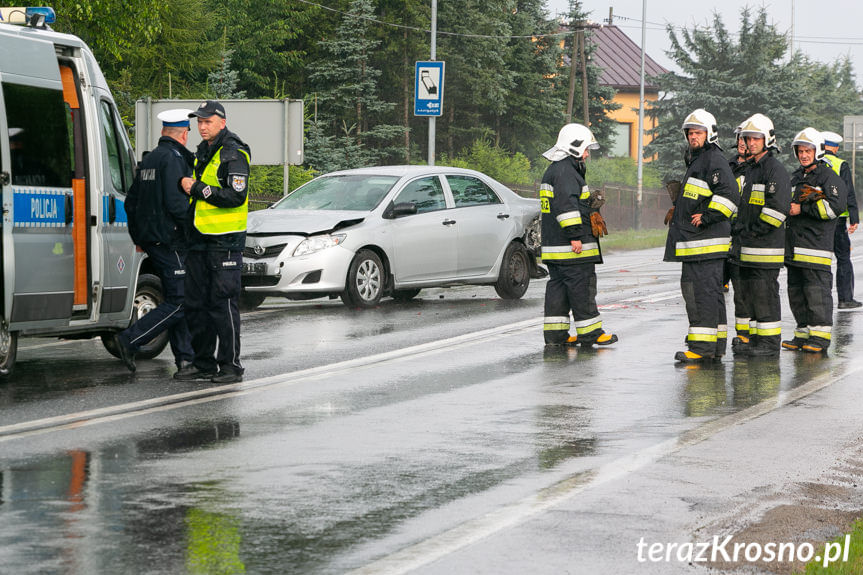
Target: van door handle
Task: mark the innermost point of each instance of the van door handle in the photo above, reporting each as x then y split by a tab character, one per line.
112	210
68	208
448	222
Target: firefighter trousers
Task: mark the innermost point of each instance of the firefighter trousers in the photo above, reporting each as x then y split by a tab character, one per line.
571	288
759	304
811	299
701	283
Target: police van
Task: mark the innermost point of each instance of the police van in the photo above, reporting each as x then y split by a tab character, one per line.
69	268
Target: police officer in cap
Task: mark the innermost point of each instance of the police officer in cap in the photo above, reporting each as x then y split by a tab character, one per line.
845	224
158	211
220	205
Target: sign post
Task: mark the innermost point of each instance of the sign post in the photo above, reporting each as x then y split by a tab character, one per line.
852	138
428	96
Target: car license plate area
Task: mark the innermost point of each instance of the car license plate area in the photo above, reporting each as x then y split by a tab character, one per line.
254	268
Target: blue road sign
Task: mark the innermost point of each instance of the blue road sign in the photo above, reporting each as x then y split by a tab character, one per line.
428	89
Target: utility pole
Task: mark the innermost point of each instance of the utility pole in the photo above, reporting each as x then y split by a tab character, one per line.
572	60
433	58
578	44
639	190
584	110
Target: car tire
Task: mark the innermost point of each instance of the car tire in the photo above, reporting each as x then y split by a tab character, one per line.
148	296
403	295
514	275
251	300
8	349
365	281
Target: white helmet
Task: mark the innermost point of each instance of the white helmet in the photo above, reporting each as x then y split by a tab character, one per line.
703	120
812	138
572	140
832	139
759	125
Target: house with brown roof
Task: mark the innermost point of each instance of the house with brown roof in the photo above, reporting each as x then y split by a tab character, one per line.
620	60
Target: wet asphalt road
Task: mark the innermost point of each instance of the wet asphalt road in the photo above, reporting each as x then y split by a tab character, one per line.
436	436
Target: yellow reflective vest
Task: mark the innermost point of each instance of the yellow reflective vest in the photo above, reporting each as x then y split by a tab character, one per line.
836	165
214	220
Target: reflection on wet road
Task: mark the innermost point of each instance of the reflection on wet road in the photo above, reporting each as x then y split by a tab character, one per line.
409	422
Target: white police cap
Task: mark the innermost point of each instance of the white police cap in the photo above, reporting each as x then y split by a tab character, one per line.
831	138
176	118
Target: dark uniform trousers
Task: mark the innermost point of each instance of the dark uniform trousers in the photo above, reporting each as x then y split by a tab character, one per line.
810	295
212	295
844	268
757	306
170	314
702	288
572	288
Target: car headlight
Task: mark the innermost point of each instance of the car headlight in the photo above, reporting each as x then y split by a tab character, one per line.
317	243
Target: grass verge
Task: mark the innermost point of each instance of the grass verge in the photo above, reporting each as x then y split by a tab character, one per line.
854	564
633	240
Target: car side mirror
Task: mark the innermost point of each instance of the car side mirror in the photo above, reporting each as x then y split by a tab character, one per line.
400	209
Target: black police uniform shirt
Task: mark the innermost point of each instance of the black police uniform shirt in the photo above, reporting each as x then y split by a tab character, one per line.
232	163
156	206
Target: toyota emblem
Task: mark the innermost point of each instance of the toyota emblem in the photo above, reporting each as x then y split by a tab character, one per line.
259	250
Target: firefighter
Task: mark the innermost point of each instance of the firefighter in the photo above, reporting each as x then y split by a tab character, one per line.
220	205
571	228
731	275
758	242
818	196
845	224
699	235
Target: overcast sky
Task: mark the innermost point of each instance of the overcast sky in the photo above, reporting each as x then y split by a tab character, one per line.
823	30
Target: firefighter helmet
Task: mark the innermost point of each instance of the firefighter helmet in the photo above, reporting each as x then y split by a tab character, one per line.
703	120
572	140
812	138
759	125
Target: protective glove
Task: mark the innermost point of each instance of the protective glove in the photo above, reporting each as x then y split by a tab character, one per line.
673	189
596	200
668	216
809	194
597	225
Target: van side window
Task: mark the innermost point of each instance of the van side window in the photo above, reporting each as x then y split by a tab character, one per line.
119	163
38	136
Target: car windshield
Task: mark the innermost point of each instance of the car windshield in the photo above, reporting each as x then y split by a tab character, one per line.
361	192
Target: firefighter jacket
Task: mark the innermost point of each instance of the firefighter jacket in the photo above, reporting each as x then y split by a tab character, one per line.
809	235
566	207
758	231
841	168
156	206
220	200
708	188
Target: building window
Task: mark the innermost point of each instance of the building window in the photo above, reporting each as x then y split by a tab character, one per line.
620	139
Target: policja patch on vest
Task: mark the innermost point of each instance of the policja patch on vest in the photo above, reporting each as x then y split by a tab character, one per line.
238	182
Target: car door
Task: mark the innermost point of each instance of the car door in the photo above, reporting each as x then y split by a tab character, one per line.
38	253
483	222
424	243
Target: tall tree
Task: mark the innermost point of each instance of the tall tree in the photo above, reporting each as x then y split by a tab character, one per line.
350	106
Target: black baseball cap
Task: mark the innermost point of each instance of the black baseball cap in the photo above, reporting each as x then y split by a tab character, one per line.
209	108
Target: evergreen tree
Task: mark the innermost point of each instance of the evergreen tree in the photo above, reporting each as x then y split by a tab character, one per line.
222	83
349	105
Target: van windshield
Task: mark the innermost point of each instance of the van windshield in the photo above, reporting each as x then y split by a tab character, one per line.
359	192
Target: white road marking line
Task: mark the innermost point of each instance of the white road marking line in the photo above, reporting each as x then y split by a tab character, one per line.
452	540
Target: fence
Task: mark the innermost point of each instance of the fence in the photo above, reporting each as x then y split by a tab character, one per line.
620	211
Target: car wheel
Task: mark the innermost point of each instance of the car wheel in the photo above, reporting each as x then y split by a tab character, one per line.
251	300
405	294
8	349
514	272
148	296
365	282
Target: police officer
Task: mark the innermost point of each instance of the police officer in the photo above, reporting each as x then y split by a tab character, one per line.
818	196
218	233
571	226
699	235
758	242
842	243
157	212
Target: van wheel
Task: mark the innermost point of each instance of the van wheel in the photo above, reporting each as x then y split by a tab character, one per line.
8	349
514	272
148	296
365	282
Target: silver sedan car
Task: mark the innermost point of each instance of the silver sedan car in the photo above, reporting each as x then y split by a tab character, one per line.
390	231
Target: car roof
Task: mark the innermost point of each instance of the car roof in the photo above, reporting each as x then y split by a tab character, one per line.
405	170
